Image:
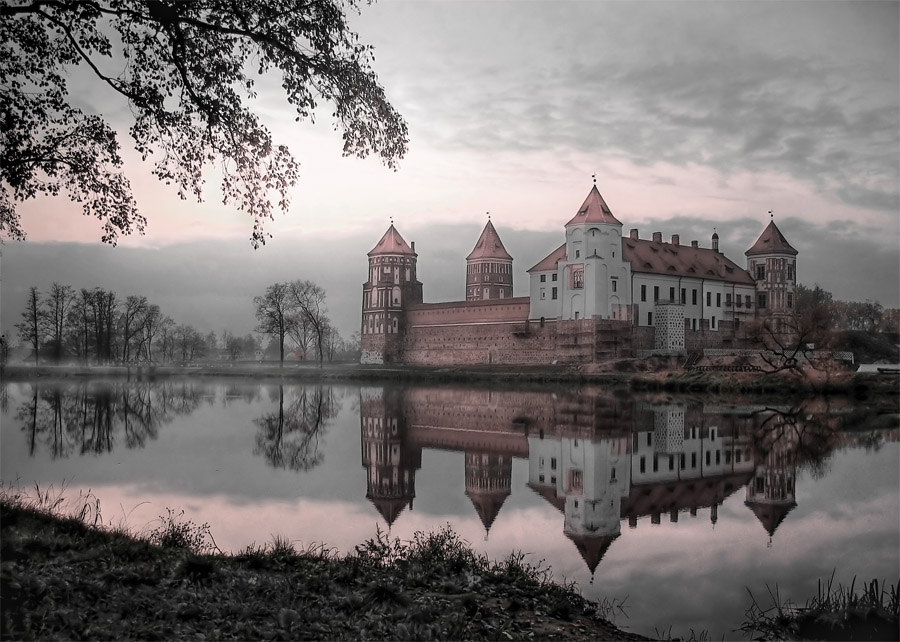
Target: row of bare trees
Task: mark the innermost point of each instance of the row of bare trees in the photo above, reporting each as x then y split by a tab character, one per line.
96	326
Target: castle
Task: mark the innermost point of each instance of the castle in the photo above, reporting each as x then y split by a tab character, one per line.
598	296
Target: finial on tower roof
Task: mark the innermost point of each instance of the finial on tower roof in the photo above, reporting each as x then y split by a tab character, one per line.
392	220
489	216
594	176
771	216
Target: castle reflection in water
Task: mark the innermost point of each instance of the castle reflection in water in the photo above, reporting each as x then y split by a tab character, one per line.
597	457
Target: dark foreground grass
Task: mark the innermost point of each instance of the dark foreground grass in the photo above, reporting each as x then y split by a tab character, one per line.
63	578
837	612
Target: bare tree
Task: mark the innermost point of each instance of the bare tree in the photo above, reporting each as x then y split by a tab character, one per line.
81	322
153	320
31	327
58	302
307	303
132	322
167	338
273	314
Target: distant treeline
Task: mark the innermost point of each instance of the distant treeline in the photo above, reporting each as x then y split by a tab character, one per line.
867	316
96	326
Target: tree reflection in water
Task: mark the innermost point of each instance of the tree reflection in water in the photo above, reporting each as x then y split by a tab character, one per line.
289	437
93	417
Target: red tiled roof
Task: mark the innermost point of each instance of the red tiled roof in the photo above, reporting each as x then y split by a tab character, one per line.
391	243
488	505
489	245
682	260
771	240
594	210
770	515
551	261
592	547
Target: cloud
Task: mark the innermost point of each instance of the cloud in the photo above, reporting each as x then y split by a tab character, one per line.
807	91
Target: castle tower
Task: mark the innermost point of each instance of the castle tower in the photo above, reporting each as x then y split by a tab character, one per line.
771	493
488	484
594	278
489	268
391	286
772	263
390	462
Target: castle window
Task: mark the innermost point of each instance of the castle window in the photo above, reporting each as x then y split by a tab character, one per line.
553	277
713	323
718	299
649	318
672	295
760	272
761	300
577	279
747	300
577	253
693	460
614	284
655	293
790	300
728	300
683	296
694	297
643	464
544	294
643	293
709	298
543	278
553	294
655	464
790	272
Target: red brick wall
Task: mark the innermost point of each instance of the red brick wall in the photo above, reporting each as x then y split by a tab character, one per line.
513	310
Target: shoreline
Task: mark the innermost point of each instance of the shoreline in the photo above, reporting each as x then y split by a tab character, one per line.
654	376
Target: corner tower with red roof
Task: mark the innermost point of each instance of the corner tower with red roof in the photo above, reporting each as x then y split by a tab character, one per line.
772	263
392	285
489	268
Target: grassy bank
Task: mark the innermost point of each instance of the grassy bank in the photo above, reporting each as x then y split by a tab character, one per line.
65	579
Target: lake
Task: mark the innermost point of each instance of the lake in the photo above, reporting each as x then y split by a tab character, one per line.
675	505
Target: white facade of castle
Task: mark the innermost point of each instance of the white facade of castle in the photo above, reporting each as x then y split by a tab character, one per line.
599	273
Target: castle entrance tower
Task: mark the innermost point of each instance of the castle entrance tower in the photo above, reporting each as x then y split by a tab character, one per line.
391	286
595	280
489	268
772	263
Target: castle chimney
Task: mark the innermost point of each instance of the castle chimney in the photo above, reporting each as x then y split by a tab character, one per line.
675	240
695	243
412	246
657	237
634	233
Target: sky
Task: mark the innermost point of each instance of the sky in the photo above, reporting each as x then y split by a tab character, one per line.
692	116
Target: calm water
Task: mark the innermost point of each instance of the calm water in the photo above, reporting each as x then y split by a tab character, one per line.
680	504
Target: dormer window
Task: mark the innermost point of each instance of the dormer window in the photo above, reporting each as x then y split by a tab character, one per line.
577	254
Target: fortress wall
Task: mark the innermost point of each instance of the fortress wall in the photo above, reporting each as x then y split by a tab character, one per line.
514	310
486	343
